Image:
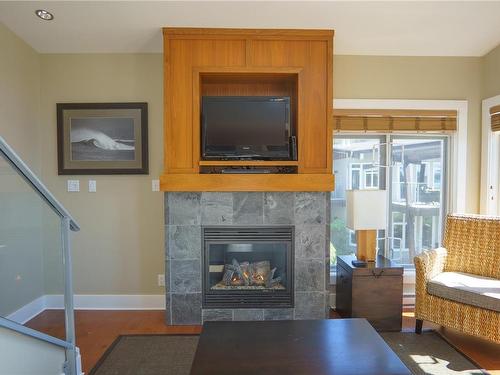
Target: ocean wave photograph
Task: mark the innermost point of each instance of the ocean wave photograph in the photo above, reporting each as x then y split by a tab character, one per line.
102	138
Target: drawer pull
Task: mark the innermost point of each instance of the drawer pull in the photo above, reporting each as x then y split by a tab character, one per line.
377	275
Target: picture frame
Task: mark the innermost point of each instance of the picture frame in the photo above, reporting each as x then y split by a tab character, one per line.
102	138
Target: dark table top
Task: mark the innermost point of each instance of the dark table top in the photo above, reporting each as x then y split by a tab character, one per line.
319	347
381	264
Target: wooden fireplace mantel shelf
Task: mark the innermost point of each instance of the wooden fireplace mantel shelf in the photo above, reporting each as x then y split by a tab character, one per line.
246	182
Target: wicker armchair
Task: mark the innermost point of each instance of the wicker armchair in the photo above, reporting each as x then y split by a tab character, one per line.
471	246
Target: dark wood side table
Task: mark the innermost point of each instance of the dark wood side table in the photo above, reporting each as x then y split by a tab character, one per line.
374	292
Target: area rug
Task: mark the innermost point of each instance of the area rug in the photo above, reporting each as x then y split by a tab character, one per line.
426	354
148	355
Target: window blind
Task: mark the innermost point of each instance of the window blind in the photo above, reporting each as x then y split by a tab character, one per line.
381	120
495	118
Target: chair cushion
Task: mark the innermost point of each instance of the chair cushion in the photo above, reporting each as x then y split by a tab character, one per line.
466	288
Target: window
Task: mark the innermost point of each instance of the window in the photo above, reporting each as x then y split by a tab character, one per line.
413	169
357	164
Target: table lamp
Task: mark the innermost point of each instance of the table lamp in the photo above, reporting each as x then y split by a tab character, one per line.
366	212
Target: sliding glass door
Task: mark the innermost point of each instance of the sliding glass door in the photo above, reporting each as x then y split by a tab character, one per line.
418	195
413	169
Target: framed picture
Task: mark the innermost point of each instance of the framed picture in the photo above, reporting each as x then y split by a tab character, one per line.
102	138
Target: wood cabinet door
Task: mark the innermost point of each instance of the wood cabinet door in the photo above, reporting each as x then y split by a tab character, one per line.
182	55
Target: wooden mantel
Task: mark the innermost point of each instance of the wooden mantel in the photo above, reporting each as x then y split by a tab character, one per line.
295	63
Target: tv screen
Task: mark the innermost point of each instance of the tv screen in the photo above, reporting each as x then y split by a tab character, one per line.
246	127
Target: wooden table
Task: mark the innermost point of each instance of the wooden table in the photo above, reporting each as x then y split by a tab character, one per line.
374	292
319	347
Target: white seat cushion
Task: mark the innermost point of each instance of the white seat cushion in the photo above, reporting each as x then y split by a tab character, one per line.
466	288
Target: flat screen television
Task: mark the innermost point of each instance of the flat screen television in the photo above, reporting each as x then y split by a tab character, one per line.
246	127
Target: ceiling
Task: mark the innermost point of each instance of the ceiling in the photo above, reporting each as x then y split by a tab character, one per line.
417	28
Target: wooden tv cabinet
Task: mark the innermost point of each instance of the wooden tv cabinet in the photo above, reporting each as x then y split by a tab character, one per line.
294	63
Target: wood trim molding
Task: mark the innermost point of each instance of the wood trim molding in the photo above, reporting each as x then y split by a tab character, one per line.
247	182
200	33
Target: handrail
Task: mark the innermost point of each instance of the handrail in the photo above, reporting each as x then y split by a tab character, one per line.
35	182
6	323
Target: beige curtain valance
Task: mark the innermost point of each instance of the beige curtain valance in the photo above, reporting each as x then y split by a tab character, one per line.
381	120
495	118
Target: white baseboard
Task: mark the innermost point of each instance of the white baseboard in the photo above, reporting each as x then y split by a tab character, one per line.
28	311
90	302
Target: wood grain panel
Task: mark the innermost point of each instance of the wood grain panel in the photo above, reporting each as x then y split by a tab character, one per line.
181	129
379	299
178	109
314	116
227	33
247	182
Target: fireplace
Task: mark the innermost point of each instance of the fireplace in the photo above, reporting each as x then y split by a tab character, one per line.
204	232
248	267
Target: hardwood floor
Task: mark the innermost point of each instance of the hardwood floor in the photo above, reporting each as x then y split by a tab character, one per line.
97	329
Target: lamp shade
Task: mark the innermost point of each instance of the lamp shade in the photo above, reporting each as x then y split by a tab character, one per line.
366	209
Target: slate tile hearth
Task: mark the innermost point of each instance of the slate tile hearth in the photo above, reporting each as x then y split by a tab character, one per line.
248	208
279	208
186	213
248	314
184	241
216	208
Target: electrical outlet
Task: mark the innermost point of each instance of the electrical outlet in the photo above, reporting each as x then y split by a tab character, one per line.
73	186
161	280
92	186
155	185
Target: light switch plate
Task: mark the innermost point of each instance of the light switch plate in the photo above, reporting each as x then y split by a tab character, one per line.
155	185
161	280
73	186
92	186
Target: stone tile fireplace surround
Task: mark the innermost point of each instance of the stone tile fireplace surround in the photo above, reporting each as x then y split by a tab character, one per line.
186	214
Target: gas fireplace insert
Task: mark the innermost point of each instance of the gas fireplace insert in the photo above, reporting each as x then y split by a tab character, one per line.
248	267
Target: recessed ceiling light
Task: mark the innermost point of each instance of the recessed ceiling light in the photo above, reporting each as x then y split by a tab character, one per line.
44	15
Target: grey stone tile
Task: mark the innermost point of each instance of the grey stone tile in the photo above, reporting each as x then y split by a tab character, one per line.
248	208
209	315
167	276
278	314
248	314
165	208
185	276
310	305
168	305
310	208
184	242
216	208
186	309
310	241
278	208
183	209
309	275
